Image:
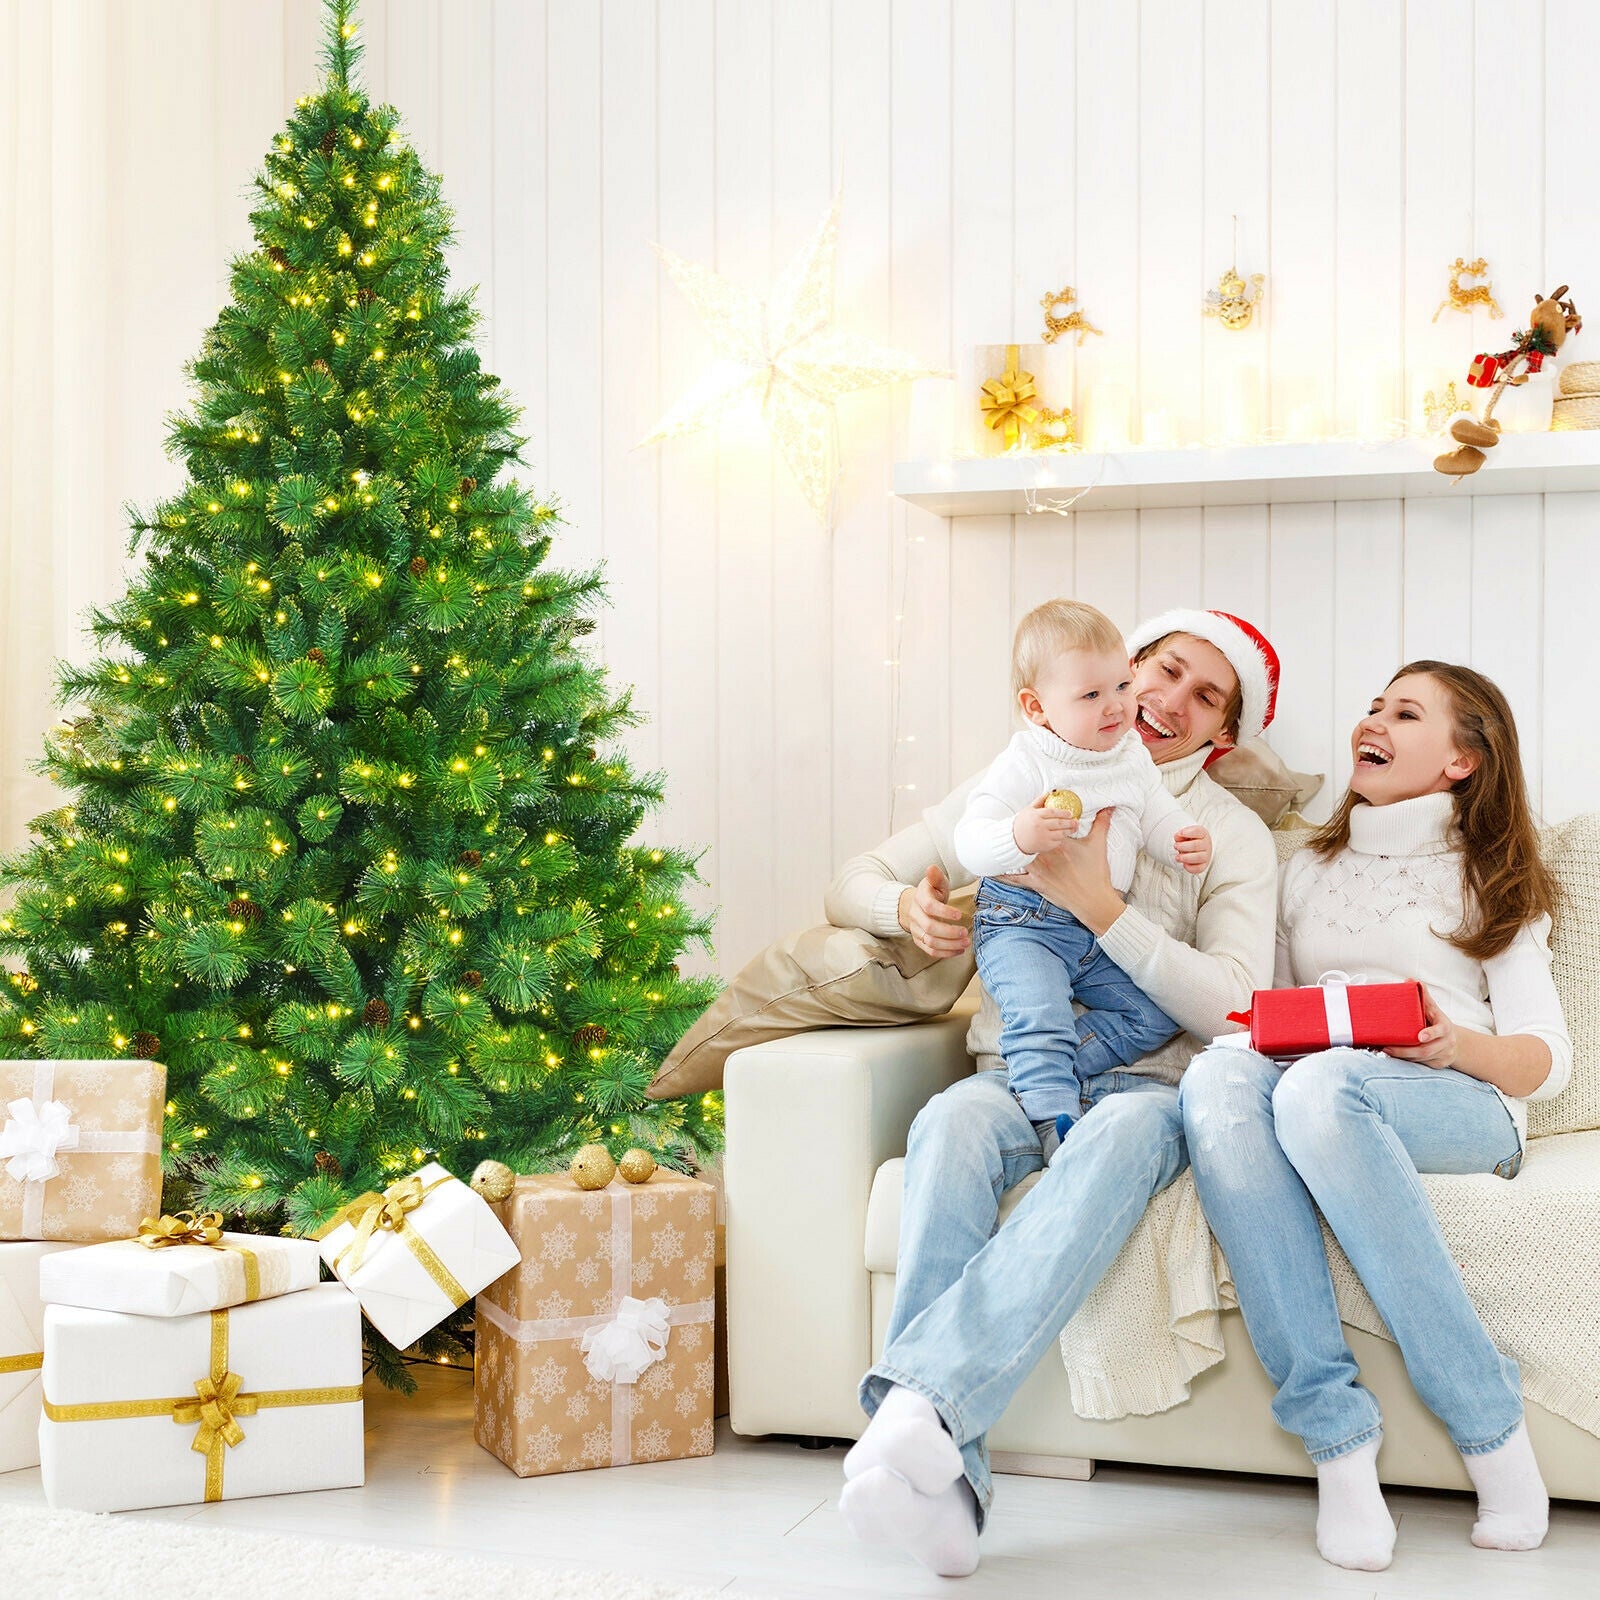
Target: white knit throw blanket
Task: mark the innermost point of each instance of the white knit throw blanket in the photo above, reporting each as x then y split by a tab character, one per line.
1529	1248
1529	1252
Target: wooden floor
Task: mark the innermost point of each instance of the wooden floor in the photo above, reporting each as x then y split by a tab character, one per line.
761	1518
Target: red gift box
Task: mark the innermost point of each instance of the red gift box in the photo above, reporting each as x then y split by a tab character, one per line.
1484	370
1299	1022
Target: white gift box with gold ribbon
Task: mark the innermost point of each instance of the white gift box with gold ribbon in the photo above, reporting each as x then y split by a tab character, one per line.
159	1411
21	1350
417	1252
178	1266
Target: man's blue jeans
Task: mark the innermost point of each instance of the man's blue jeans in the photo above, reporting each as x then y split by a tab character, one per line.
1347	1132
1035	959
975	1309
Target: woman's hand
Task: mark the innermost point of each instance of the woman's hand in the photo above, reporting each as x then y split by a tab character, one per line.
926	914
1077	877
1437	1045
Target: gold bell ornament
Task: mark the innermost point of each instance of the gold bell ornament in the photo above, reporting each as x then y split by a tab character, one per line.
494	1180
592	1167
636	1166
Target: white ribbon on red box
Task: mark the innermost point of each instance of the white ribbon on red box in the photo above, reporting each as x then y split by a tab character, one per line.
1335	986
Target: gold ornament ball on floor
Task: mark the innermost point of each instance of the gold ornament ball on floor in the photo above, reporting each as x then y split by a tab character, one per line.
494	1180
592	1167
636	1166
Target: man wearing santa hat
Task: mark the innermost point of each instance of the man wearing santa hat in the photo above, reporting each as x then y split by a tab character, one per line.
976	1308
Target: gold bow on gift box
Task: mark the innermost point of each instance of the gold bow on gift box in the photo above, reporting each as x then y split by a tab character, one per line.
370	1212
1005	401
219	1401
202	1228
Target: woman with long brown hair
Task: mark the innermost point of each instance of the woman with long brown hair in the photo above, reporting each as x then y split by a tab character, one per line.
1429	870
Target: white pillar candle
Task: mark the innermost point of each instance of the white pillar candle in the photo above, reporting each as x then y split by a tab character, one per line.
1108	411
1157	431
1241	404
930	427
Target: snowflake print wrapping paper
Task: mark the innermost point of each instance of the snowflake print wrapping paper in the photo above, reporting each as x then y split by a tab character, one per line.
80	1148
583	1253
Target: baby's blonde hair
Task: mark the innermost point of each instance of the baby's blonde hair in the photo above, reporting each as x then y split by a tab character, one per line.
1055	626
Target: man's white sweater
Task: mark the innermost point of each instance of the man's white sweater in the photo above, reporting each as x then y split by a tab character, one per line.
1197	945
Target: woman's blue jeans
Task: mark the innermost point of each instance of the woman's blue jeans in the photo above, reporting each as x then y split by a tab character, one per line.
1346	1132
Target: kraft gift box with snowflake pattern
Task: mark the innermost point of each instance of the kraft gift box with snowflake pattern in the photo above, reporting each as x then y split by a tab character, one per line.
598	1349
80	1148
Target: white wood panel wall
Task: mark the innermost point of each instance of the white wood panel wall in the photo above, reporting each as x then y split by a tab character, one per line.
989	150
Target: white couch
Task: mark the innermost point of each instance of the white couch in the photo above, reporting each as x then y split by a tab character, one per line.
816	1127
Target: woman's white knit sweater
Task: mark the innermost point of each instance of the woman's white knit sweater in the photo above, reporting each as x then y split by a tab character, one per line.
1197	946
1385	908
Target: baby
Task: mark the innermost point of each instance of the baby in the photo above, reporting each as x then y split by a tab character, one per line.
1079	755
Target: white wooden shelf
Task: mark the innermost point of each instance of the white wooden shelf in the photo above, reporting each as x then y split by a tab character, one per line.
1523	463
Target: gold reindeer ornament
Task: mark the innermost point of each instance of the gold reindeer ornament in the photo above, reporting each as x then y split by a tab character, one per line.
1480	294
1058	320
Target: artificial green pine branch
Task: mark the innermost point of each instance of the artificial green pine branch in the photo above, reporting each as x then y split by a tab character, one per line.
346	846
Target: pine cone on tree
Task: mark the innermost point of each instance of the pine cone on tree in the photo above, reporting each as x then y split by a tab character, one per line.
467	485
419	565
322	366
376	1014
329	140
314	654
469	858
144	1045
472	979
591	1035
242	910
278	256
365	296
327	1164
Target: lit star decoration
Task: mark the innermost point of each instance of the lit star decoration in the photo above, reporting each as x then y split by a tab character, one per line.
782	358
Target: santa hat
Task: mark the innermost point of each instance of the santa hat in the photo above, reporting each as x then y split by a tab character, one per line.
1248	650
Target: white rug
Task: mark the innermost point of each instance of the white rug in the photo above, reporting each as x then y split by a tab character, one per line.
71	1555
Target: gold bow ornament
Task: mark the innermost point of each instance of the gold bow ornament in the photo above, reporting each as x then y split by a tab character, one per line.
1006	400
219	1400
203	1228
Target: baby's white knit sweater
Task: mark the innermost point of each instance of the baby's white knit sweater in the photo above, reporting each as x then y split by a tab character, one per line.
1037	761
1384	908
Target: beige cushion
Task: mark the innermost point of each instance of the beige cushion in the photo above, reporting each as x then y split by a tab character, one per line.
816	979
1255	775
1572	852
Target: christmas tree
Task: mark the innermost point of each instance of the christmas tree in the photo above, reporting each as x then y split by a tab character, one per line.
344	848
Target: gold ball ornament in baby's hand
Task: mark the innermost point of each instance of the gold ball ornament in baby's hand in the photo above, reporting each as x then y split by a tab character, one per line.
494	1180
636	1166
1064	800
592	1167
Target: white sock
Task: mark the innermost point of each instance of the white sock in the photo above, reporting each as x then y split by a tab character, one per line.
1513	1506
1354	1528
907	1436
940	1531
